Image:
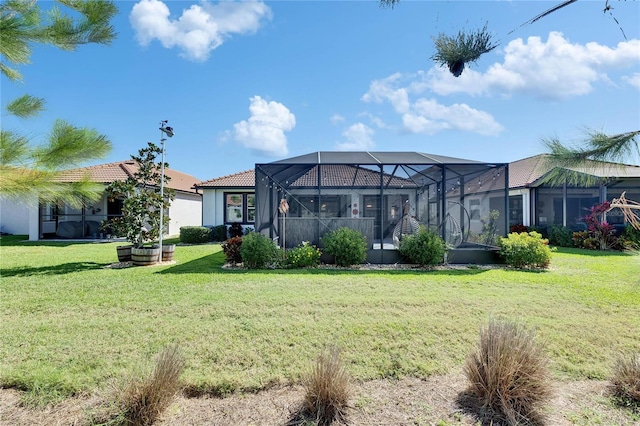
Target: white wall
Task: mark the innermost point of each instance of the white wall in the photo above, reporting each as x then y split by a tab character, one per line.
185	210
14	217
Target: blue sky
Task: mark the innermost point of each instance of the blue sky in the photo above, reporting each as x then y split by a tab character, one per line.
255	82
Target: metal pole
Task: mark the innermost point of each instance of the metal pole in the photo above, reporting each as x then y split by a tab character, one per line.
162	140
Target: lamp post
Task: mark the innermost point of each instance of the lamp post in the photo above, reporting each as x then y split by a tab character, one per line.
164	131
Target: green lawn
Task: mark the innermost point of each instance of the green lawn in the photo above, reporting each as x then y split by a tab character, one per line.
68	324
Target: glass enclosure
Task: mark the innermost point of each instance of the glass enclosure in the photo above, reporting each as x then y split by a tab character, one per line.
384	195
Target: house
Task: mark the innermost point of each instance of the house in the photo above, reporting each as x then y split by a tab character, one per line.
377	193
47	220
532	202
325	189
229	199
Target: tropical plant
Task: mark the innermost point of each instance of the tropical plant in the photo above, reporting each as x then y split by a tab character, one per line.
142	202
423	248
231	250
235	230
348	246
489	235
601	231
455	52
25	168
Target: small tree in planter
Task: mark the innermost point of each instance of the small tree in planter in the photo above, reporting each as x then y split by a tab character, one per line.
140	220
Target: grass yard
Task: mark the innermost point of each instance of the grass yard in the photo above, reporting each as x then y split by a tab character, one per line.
68	324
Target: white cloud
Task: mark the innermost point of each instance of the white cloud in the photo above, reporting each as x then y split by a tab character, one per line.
633	80
430	117
358	138
336	118
555	69
200	29
427	115
382	90
264	131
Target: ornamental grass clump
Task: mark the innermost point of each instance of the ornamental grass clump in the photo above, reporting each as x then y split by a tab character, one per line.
508	375
305	255
625	380
455	52
142	400
348	246
327	389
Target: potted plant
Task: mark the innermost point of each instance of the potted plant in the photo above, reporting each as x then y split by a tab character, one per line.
140	192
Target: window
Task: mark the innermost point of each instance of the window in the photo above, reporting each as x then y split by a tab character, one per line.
240	207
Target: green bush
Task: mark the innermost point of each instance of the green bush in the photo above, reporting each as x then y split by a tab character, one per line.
560	236
219	233
231	249
303	256
424	248
630	238
195	234
348	246
525	250
258	251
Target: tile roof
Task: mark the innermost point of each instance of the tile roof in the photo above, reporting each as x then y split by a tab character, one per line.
245	179
121	170
337	175
528	171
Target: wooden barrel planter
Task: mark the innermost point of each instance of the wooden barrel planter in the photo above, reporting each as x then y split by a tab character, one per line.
124	253
167	252
145	256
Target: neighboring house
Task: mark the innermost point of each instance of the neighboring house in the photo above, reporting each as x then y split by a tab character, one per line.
229	199
534	203
47	220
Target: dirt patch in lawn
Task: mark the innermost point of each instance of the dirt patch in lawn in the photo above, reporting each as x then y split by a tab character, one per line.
409	401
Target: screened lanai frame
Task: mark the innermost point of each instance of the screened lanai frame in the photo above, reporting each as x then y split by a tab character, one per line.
385	195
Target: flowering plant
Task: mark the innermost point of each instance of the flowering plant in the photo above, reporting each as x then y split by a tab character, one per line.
304	255
602	232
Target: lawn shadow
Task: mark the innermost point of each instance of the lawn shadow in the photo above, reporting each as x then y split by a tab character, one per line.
65	268
211	263
23	241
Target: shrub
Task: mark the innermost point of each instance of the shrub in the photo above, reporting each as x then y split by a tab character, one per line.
231	249
327	389
235	230
560	236
195	234
303	256
508	375
248	230
219	233
625	380
630	238
424	248
348	246
518	228
525	250
143	400
258	251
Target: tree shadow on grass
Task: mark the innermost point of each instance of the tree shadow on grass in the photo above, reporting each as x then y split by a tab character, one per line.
65	268
211	263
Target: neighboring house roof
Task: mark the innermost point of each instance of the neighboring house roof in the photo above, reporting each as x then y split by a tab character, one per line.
121	170
245	179
529	171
